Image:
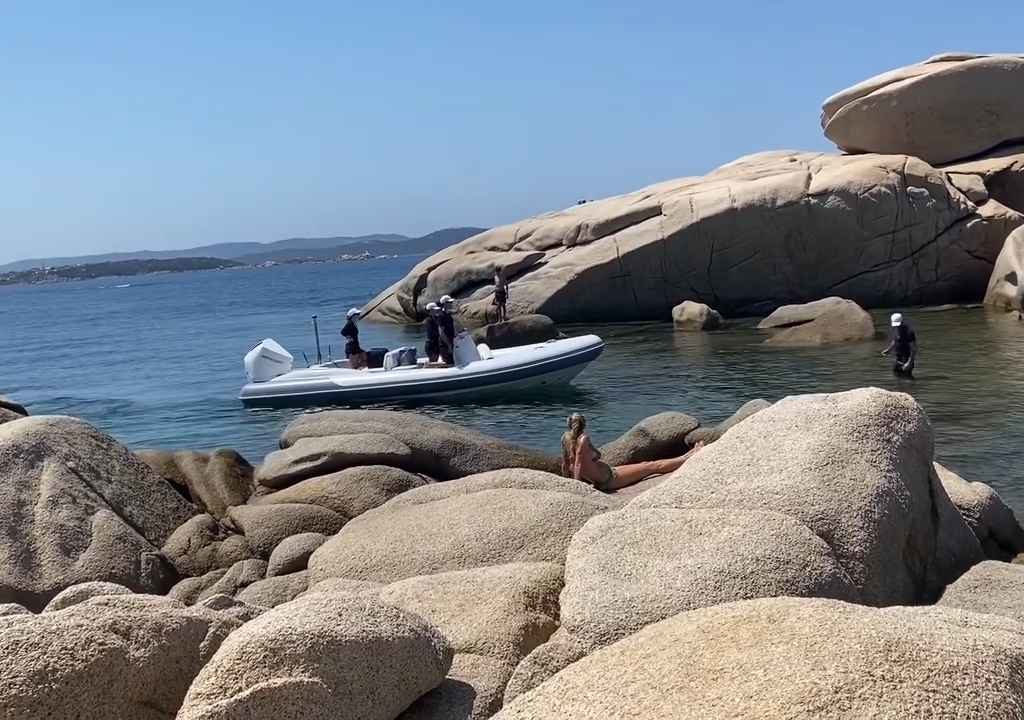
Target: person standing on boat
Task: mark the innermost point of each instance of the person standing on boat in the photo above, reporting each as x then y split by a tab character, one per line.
500	294
354	353
446	324
904	342
582	461
433	346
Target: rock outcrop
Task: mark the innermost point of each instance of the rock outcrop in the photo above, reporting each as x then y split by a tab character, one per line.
78	506
273	591
292	554
440	450
314	456
10	410
267	525
522	330
710	434
695	317
656	437
321	656
842	322
946	108
799	313
80	593
765	230
992	521
794	658
202	544
212	481
124	656
990	587
1006	285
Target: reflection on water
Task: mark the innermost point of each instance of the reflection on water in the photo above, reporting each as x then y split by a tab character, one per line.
159	364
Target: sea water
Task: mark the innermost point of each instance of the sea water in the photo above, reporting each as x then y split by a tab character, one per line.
157	362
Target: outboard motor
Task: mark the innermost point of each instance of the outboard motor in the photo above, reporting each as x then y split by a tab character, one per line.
267	361
465	349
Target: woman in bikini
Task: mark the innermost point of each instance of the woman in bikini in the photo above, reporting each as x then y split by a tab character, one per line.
582	461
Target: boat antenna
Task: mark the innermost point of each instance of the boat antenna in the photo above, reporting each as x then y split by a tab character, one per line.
316	332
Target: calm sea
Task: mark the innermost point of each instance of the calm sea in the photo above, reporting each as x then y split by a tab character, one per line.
157	362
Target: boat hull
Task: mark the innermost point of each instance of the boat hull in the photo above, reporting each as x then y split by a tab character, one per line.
552	365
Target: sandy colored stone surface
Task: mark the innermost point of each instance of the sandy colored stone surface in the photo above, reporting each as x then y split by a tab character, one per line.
15	407
238	577
202	544
853	467
937	111
267	525
991	587
765	230
738	662
558	653
654	438
472	691
1006	285
321	657
233	608
633	568
710	434
992	521
313	456
277	590
1001	170
8	609
480	529
214	481
349	492
510	478
522	330
843	322
799	313
695	317
77	506
113	657
80	593
292	553
441	450
188	590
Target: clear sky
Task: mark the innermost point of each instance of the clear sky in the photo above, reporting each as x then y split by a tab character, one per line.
164	127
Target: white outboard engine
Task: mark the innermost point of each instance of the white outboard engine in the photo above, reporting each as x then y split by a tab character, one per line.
465	349
266	361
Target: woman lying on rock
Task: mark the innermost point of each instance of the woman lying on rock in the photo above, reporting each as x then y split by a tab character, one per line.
582	461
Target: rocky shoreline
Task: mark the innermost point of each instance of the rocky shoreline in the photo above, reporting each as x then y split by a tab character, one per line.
390	565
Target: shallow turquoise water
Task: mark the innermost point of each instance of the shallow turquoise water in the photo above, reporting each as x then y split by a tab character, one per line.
159	364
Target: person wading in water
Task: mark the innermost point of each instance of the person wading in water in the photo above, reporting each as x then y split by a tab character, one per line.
582	461
904	342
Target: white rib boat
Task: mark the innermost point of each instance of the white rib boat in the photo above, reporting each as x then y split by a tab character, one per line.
478	370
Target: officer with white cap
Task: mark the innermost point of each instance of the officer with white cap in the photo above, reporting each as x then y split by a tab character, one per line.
904	342
354	353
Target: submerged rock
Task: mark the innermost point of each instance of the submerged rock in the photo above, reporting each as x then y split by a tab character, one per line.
799	313
694	317
765	230
945	108
842	322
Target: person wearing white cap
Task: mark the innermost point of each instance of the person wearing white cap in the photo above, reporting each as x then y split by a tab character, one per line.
354	353
433	346
904	342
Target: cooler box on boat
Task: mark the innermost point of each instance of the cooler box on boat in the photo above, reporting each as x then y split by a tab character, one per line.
375	357
400	357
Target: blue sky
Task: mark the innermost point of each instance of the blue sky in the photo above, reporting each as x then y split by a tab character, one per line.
164	127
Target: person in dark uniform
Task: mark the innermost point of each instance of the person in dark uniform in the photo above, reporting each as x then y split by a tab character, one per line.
433	346
904	342
446	324
354	353
500	294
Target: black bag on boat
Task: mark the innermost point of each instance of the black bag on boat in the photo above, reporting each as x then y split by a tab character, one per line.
375	357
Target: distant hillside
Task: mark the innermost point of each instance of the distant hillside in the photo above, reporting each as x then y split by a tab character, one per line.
114	269
279	250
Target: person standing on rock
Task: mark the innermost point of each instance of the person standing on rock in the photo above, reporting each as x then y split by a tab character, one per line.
582	461
904	342
354	353
500	294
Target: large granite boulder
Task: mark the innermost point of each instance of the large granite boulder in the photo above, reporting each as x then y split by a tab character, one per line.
118	657
1001	172
349	492
795	658
313	456
1006	285
654	438
267	525
992	520
202	544
189	589
78	506
458	532
273	591
238	577
765	230
440	450
990	587
10	410
507	479
80	593
522	330
473	690
212	481
799	313
843	322
319	657
694	317
855	468
711	433
943	109
292	554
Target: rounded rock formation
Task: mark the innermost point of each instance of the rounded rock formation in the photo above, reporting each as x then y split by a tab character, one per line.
695	317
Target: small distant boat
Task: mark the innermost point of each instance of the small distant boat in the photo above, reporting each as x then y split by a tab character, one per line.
478	370
123	285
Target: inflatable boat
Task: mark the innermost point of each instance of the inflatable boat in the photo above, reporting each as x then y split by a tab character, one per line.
478	370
